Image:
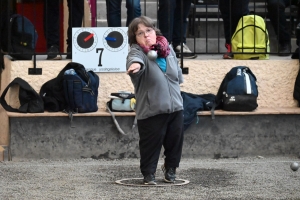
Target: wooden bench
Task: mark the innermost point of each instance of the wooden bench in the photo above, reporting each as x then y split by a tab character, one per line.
258	111
271	129
99	113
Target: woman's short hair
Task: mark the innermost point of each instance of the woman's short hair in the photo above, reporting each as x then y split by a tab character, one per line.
134	25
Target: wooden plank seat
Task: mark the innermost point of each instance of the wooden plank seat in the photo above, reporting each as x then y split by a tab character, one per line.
101	113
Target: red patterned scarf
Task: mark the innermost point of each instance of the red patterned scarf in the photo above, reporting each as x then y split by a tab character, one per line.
161	46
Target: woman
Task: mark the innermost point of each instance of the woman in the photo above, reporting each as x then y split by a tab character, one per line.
159	107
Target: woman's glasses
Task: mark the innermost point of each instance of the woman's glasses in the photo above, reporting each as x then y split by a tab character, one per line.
143	33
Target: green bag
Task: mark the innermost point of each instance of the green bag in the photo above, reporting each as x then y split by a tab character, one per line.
250	36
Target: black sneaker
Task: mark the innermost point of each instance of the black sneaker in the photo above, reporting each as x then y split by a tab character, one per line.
284	49
169	173
149	179
53	53
69	52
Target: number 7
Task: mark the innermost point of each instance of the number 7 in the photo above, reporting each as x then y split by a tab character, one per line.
100	57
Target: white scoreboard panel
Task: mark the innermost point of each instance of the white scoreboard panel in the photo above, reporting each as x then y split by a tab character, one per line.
100	49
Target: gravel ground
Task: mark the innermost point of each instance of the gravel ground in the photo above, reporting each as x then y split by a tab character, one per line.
241	178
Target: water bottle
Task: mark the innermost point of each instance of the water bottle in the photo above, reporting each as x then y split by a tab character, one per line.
70	72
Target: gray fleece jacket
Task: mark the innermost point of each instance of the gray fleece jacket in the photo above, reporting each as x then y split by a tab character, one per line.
156	92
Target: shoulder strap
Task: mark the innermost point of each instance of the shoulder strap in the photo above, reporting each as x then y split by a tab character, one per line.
116	122
17	81
221	90
68	89
248	70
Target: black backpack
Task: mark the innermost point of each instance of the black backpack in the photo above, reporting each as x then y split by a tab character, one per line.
238	90
53	92
296	93
19	37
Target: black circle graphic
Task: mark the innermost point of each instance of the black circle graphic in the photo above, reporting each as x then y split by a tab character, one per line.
85	40
118	39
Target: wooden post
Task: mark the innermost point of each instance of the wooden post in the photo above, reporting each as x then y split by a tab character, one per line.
1	153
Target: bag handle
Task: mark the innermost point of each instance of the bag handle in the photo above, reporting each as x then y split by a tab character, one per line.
123	95
84	75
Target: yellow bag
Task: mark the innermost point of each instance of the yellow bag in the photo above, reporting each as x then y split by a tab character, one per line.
250	39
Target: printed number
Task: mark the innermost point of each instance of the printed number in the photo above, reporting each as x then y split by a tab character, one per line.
100	56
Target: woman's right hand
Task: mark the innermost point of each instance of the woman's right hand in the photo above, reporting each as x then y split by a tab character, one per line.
134	68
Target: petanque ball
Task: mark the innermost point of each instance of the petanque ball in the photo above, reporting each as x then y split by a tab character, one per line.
294	166
152	55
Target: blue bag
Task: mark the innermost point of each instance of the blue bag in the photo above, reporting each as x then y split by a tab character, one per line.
81	90
192	103
238	90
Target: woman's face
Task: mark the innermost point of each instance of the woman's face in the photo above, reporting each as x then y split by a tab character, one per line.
145	36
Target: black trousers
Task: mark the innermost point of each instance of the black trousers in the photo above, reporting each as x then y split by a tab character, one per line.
232	11
161	130
276	11
169	18
51	20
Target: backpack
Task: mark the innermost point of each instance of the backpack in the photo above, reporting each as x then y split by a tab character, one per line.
53	93
296	93
19	37
192	103
81	90
30	101
250	37
238	90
